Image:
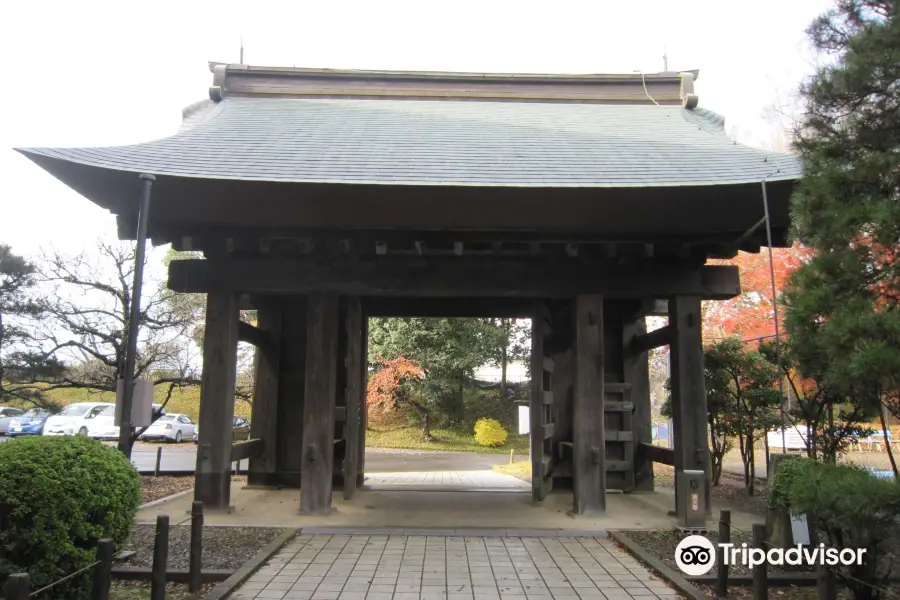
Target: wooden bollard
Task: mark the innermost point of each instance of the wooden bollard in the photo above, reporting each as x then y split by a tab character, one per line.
196	565
760	574
722	567
103	571
160	558
825	583
158	461
18	587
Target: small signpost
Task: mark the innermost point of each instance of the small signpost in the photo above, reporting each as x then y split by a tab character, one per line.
142	404
524	420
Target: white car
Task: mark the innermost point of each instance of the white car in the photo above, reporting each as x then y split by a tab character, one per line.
104	427
75	419
171	428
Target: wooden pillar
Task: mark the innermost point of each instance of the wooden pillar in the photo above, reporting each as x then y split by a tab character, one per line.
318	407
364	407
264	416
291	391
355	395
589	437
636	371
689	419
220	340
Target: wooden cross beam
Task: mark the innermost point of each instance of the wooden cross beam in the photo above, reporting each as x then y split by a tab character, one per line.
456	278
647	341
254	335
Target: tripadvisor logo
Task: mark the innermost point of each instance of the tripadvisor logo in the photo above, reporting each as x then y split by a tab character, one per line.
695	555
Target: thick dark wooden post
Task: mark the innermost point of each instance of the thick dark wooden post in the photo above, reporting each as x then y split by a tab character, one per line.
264	419
355	395
220	340
589	438
364	407
636	371
318	408
689	419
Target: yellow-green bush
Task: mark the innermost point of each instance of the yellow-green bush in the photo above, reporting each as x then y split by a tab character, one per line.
489	432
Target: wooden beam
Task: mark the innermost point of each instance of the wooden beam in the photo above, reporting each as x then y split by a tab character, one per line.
657	454
248	449
458	278
355	395
318	407
689	418
256	336
643	342
264	416
220	340
589	443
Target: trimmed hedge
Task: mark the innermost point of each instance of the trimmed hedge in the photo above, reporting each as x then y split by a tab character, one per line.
58	496
490	433
849	508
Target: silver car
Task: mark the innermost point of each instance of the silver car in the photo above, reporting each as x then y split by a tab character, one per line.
171	428
7	413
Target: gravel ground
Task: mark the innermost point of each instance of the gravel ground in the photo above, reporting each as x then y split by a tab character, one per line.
223	547
138	590
154	488
730	490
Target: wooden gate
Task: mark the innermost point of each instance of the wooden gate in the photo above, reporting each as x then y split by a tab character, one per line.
543	416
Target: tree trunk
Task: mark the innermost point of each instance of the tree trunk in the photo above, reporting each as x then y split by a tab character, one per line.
887	444
751	479
504	358
425	417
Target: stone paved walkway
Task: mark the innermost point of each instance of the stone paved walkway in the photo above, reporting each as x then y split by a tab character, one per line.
483	479
362	567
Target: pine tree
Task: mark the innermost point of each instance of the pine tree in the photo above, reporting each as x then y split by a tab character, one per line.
844	305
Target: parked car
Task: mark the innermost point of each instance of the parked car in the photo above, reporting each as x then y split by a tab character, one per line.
75	419
240	430
104	425
171	428
6	415
31	422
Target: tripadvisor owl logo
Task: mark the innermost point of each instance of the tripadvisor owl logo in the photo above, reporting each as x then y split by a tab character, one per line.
695	555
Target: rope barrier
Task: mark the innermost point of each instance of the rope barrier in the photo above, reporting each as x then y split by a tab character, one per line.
66	578
837	572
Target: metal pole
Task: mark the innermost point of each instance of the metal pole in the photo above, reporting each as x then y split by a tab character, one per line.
775	312
134	316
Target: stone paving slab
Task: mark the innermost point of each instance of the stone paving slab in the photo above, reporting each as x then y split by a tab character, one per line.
424	567
461	480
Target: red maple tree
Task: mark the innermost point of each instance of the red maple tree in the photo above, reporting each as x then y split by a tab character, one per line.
750	315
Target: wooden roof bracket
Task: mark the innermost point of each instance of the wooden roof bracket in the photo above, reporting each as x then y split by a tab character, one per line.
688	98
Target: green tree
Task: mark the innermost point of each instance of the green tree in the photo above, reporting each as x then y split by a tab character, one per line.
828	418
842	307
448	350
19	361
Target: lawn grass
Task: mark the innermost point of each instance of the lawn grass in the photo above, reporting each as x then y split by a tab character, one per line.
519	470
449	440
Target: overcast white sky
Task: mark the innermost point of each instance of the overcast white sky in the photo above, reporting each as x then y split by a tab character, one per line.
92	73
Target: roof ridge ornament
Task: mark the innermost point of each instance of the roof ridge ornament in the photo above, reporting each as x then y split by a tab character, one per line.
217	90
689	99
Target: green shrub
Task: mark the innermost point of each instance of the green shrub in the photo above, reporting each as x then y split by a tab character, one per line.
490	433
850	508
779	490
58	496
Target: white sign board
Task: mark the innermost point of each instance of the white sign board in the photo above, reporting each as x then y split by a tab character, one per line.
524	420
800	529
141	404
